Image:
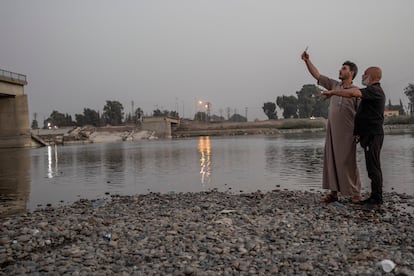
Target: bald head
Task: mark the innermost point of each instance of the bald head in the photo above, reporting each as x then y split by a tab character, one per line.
372	75
375	73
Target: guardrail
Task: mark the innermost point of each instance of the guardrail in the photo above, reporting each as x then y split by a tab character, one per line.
13	76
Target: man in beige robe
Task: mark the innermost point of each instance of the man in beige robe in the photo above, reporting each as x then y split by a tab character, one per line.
340	170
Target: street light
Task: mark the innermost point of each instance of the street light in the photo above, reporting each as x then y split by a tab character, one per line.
207	106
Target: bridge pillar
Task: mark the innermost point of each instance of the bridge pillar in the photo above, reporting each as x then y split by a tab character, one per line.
14	112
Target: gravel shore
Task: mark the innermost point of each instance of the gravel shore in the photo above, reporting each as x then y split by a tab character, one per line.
210	233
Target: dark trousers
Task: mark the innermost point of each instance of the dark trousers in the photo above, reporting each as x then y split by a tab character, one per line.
372	148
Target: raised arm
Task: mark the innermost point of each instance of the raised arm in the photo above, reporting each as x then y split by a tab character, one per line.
311	68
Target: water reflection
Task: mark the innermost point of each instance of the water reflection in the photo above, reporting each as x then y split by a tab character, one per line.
204	148
14	180
114	163
272	158
52	160
295	160
48	175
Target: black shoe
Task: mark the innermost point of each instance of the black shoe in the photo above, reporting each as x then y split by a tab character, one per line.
371	204
371	201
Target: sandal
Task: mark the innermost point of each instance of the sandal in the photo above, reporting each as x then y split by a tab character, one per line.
329	198
356	199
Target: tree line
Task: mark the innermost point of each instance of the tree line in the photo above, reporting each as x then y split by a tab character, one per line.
308	103
305	104
113	114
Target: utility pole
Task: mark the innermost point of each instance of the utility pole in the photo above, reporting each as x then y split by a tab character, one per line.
132	111
245	113
208	106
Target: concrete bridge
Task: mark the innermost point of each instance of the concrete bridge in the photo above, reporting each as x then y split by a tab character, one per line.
162	126
14	111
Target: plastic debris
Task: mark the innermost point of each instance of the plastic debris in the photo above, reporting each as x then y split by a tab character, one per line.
386	265
98	203
107	236
338	204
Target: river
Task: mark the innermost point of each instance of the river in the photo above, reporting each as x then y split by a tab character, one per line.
31	178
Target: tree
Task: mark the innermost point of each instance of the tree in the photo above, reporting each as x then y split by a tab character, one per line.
57	119
289	104
80	120
216	118
158	113
47	123
173	114
113	112
35	125
237	118
138	114
69	121
89	117
401	108
200	116
320	106
269	109
307	98
409	92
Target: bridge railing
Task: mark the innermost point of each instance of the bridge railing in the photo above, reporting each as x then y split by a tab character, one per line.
13	76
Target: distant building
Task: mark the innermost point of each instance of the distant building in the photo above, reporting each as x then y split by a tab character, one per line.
391	113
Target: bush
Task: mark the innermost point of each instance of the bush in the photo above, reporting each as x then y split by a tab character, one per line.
399	120
300	124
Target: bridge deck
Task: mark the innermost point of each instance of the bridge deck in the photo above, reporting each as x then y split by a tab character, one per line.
14	78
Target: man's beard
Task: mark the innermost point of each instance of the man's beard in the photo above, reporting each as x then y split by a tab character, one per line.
342	77
365	81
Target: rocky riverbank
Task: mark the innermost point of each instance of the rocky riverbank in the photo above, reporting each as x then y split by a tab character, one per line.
210	233
90	134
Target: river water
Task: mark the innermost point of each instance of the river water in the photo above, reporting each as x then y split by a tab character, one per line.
56	175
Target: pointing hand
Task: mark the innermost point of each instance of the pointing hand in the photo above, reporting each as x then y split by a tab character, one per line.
327	94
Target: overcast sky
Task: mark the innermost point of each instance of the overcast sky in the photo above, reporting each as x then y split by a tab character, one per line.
235	54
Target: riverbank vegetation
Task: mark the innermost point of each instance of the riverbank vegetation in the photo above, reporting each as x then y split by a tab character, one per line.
399	120
302	124
305	104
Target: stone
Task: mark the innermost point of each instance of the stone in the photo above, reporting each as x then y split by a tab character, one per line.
306	266
273	233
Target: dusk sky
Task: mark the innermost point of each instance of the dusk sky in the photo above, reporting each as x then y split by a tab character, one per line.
170	54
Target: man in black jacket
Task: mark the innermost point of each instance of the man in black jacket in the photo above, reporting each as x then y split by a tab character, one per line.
368	129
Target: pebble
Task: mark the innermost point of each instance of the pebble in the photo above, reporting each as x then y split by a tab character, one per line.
209	233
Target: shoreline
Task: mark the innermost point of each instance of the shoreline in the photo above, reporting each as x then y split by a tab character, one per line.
88	135
210	233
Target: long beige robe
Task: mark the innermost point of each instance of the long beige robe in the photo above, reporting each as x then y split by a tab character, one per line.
340	170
